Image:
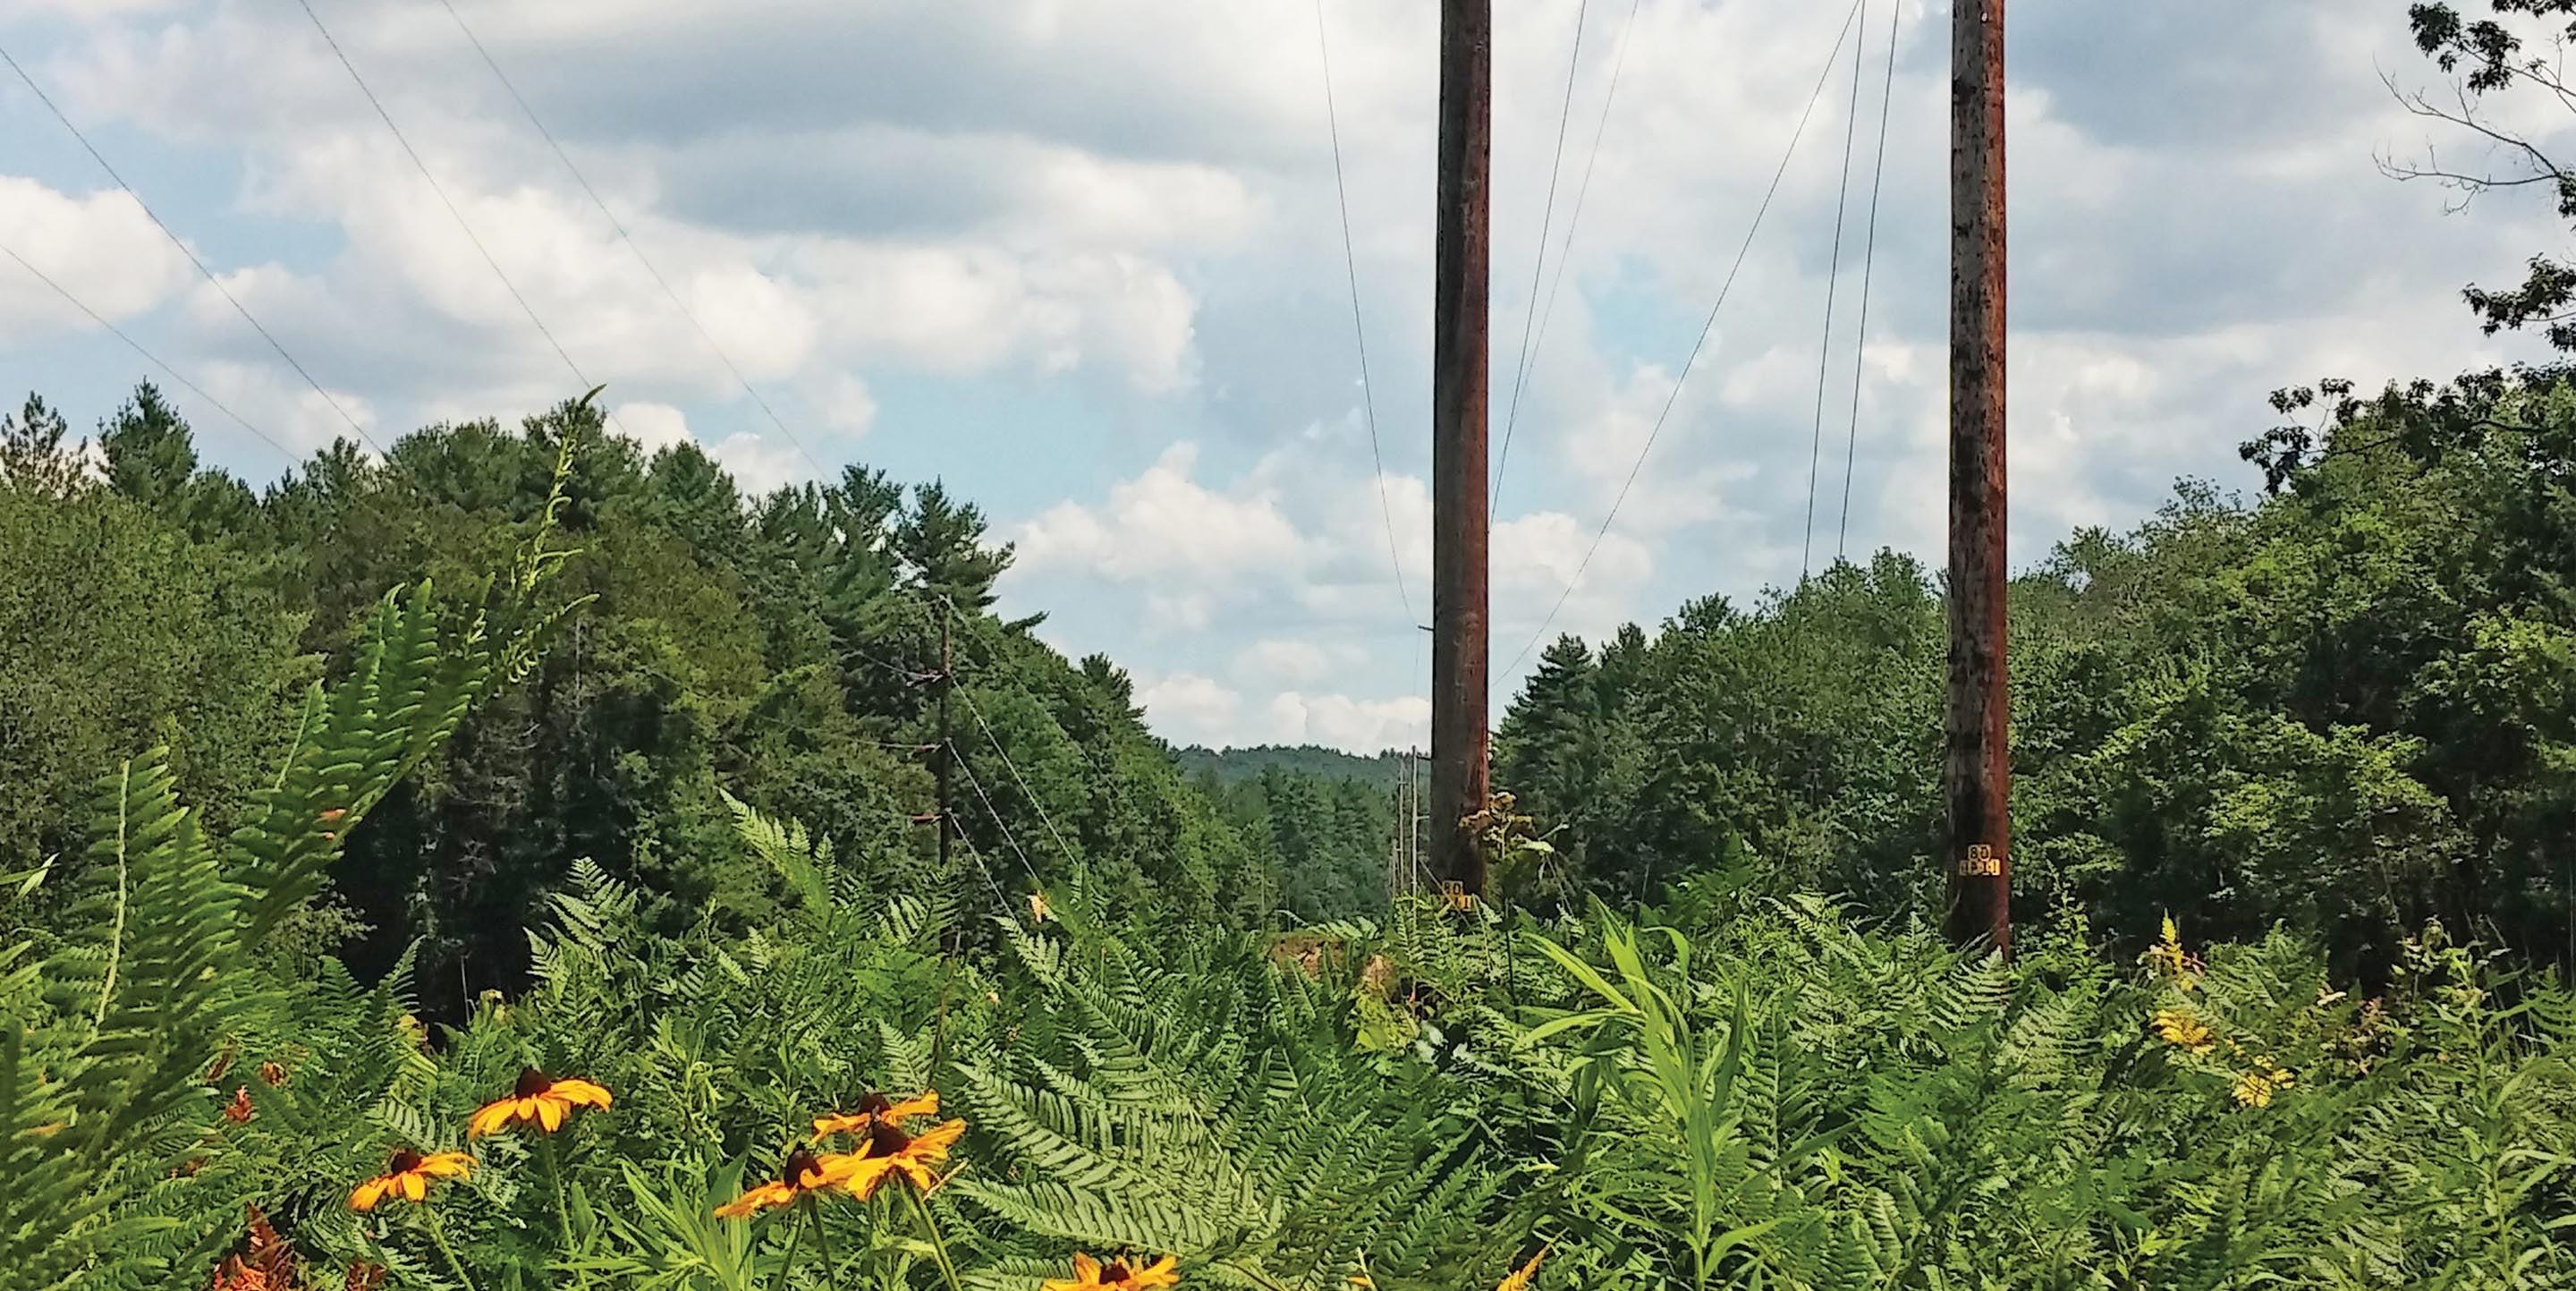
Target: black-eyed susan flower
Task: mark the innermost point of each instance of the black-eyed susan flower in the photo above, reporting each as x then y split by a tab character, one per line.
539	1100
875	1110
407	1175
1090	1274
803	1172
1520	1278
892	1152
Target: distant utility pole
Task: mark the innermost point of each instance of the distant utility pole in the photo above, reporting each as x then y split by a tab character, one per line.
1399	851
1459	651
1977	772
947	746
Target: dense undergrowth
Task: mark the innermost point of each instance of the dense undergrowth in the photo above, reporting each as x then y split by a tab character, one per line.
1728	1091
583	914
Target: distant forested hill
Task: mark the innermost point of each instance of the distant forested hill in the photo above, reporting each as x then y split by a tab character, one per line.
1234	765
1320	819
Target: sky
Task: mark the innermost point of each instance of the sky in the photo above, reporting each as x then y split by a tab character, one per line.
1083	260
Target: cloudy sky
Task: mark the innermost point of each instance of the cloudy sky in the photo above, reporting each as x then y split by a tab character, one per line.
1081	259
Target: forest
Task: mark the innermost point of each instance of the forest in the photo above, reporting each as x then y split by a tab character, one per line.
520	859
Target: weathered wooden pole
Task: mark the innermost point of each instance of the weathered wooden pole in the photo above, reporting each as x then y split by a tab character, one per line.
1977	772
947	745
1459	649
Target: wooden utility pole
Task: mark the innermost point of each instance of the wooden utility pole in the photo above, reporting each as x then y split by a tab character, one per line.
1459	651
1977	772
947	745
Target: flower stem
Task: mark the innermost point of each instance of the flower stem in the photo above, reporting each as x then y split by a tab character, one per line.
438	1236
823	1241
795	1239
938	1244
563	1212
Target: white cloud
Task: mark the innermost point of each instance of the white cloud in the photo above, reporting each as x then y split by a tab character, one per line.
100	248
1190	709
1160	523
1276	659
289	411
759	463
655	426
1342	722
962	309
847	405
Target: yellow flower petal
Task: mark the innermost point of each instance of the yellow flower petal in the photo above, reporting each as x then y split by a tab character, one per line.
851	1123
756	1200
577	1092
1520	1280
492	1117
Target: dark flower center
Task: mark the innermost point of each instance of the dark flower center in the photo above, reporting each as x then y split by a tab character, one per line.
404	1161
884	1141
801	1168
875	1105
532	1082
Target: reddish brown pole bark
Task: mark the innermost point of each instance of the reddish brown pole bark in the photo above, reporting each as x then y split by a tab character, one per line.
1459	650
1977	772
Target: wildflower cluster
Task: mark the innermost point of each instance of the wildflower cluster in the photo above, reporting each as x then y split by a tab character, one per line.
538	1099
884	1146
885	1150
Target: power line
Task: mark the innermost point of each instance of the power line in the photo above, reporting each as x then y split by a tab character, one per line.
947	818
1565	246
913	676
1547	216
1034	803
1007	835
1833	279
444	200
1359	332
191	254
1868	261
1683	377
629	239
148	356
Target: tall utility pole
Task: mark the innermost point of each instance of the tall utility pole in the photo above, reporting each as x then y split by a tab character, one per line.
1399	855
1977	772
947	745
1459	651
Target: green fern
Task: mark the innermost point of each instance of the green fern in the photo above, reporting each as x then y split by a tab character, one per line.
106	1043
